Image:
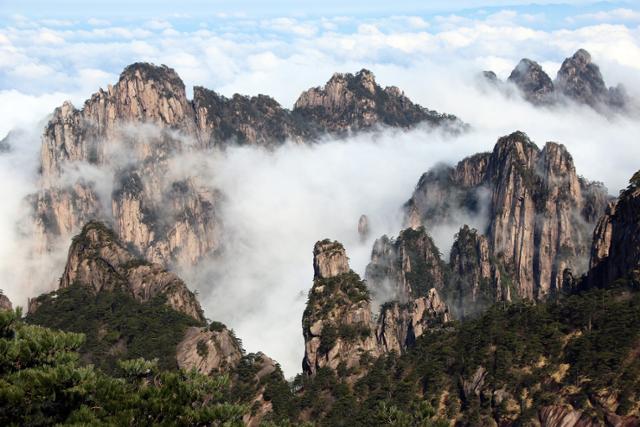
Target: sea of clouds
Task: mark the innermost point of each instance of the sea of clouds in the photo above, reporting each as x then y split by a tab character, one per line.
278	203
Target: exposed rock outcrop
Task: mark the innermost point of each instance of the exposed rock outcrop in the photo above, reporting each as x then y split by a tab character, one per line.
209	350
257	120
329	260
100	262
261	372
349	102
405	268
338	327
61	211
145	93
564	416
400	324
5	303
536	86
474	282
337	323
540	214
363	227
615	252
135	129
580	79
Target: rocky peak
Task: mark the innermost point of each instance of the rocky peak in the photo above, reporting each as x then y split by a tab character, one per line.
337	325
146	118
145	93
350	102
540	214
536	86
99	261
581	80
405	276
329	259
490	77
405	268
162	75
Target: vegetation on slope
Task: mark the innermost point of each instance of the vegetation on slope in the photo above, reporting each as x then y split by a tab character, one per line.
503	366
116	325
42	382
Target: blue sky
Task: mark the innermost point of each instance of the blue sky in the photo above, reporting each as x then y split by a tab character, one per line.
192	11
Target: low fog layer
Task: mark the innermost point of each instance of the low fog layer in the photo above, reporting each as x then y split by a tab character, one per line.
279	203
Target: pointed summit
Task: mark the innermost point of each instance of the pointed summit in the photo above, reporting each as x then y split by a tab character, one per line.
536	86
581	80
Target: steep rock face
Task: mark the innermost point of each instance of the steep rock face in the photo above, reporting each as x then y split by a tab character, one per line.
135	129
540	214
144	94
100	262
329	260
405	268
61	211
445	195
536	86
169	223
146	116
350	102
474	282
400	324
615	252
581	80
209	350
337	323
406	274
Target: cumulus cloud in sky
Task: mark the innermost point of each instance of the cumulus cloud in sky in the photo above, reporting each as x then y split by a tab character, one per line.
278	203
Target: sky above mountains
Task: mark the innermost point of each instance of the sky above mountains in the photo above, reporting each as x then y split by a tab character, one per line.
49	52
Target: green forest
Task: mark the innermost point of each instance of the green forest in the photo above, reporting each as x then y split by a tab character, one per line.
523	357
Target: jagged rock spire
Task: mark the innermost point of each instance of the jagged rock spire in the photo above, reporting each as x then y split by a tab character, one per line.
533	82
329	259
337	324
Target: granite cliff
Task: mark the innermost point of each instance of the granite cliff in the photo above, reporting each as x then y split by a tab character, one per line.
134	131
539	213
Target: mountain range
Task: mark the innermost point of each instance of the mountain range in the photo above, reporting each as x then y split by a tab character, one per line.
532	320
